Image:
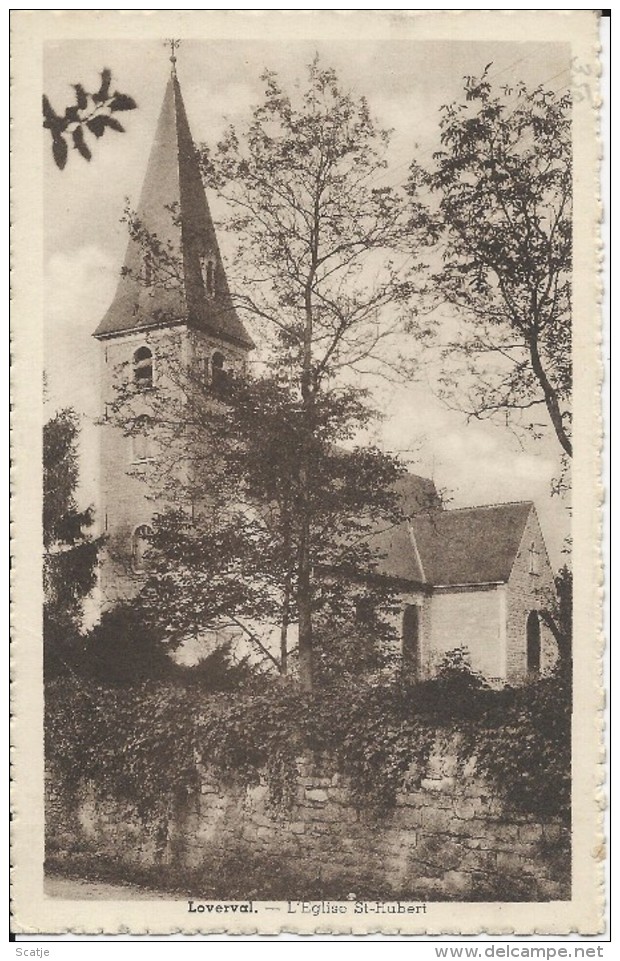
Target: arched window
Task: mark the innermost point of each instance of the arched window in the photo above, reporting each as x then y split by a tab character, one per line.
143	367
533	644
411	641
218	374
139	547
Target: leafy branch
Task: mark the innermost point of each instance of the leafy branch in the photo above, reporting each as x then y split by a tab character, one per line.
91	112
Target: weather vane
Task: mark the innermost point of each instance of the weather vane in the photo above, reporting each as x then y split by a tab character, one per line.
174	45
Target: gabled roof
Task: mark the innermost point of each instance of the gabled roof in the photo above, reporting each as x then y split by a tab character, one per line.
417	494
394	546
397	557
173	208
473	545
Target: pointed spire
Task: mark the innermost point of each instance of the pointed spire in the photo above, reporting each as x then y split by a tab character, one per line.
173	209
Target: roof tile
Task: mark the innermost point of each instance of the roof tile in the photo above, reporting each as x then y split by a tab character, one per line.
473	545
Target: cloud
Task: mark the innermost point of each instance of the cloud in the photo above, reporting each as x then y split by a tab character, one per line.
473	462
78	288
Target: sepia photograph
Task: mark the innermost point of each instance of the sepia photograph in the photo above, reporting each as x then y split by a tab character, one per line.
308	521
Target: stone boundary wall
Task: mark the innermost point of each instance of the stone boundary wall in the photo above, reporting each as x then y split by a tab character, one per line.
448	837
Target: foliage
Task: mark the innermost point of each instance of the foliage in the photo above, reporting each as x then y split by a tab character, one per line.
316	268
502	227
558	616
123	649
70	559
318	274
300	180
355	632
141	744
221	671
92	113
133	743
463	689
206	578
531	759
232	561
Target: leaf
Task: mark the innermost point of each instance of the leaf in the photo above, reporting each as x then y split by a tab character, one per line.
104	90
113	123
51	117
97	126
81	96
60	151
120	101
79	143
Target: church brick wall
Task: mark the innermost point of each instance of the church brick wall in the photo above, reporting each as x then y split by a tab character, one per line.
124	484
202	346
528	592
469	618
448	837
127	485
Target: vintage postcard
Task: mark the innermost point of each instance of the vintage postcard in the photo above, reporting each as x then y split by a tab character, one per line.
306	486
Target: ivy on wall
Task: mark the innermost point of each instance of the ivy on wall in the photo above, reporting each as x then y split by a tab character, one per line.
142	743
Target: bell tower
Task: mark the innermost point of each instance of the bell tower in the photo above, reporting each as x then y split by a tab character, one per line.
172	311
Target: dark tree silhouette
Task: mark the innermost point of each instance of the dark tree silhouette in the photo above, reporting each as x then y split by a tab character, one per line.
70	559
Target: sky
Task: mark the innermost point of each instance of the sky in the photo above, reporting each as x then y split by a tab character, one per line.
405	83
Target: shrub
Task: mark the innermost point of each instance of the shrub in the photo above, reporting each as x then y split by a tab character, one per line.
122	649
527	748
141	743
134	744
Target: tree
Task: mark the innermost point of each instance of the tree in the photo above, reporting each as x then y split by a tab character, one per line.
123	649
558	616
351	491
499	219
232	562
69	569
317	268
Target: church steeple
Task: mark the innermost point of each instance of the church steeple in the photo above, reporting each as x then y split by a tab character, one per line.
185	281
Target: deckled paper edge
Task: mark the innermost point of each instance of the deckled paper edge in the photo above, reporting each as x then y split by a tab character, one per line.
34	913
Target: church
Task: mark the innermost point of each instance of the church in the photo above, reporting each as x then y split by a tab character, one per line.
474	578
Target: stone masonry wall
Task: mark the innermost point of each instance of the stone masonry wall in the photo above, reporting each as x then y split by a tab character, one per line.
127	485
528	592
447	838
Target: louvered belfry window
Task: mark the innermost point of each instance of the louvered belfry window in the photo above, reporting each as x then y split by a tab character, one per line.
143	367
218	374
